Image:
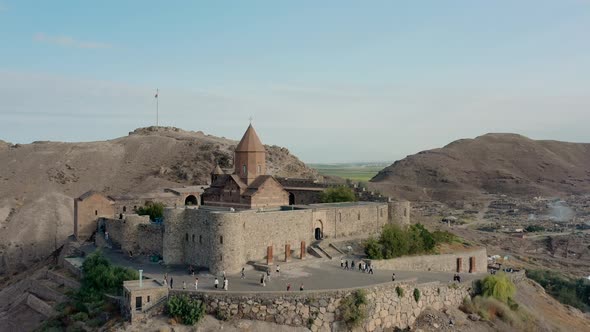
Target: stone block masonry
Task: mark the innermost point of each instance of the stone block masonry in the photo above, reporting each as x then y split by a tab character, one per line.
473	261
320	310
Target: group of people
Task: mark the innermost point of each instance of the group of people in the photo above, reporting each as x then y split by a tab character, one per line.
457	277
363	266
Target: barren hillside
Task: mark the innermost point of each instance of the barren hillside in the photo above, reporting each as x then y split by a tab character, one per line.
494	163
38	181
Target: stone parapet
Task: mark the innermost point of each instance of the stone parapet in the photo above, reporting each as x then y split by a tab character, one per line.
474	261
320	310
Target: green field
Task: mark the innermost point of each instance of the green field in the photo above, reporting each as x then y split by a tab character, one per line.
356	172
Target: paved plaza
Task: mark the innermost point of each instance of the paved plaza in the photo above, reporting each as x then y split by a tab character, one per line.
314	274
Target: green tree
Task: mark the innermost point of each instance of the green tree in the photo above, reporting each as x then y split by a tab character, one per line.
395	241
373	249
153	209
337	194
498	286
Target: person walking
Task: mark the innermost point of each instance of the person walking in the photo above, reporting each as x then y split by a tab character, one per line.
370	269
393	277
288	287
278	270
196	283
243	274
346	265
268	274
171	283
360	266
216	283
342	262
106	235
352	266
225	284
263	280
301	287
183	285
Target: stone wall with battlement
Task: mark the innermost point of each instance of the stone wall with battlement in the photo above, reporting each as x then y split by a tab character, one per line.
226	241
456	262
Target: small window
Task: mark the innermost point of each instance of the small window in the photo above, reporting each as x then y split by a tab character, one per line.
221	239
96	212
124	209
186	237
201	239
220	258
243	169
193	238
340	216
149	299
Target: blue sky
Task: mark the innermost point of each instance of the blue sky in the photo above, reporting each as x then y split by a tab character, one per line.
333	81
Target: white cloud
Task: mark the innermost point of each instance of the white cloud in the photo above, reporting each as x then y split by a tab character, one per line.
68	41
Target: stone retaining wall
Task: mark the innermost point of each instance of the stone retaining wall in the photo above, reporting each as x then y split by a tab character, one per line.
62	280
320	310
441	263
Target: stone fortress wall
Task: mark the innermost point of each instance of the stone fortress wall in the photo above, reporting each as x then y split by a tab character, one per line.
134	234
320	310
224	240
473	261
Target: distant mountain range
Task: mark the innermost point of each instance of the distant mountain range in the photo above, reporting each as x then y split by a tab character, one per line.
493	163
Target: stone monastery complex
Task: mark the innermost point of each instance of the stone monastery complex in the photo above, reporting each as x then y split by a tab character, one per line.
244	217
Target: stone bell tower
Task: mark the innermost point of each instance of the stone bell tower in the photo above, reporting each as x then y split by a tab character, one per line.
250	157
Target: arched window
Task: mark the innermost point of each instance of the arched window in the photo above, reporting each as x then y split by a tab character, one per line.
186	237
193	238
201	239
243	169
221	239
96	212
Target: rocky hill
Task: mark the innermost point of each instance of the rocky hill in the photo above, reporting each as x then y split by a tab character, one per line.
38	181
493	163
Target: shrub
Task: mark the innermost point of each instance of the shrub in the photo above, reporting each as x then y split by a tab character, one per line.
534	228
396	241
153	209
444	237
399	291
81	316
373	249
221	314
337	194
568	291
498	286
354	308
416	294
101	277
188	311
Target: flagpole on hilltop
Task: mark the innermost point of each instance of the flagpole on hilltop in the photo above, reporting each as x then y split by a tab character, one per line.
157	109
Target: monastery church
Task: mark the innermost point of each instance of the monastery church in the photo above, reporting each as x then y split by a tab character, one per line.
246	217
